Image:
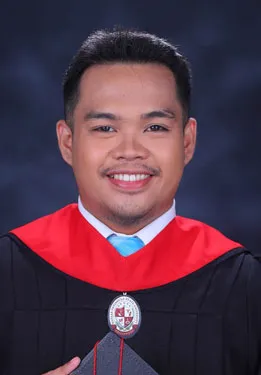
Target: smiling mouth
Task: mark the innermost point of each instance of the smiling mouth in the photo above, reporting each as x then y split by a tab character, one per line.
130	177
130	181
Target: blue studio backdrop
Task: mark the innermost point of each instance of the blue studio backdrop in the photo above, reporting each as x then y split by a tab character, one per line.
221	186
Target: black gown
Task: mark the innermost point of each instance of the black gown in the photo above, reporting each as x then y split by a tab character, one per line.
207	322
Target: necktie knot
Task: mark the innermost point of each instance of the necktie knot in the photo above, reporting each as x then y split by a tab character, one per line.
126	245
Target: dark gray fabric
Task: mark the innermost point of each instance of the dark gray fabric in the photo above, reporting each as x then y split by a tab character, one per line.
207	323
108	358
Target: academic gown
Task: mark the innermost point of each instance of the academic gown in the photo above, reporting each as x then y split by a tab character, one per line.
199	295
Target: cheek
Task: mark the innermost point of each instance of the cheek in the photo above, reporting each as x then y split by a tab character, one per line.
172	165
171	158
88	155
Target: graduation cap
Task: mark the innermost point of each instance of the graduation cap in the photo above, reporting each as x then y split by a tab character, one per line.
112	356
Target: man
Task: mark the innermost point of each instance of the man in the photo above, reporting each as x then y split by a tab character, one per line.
127	135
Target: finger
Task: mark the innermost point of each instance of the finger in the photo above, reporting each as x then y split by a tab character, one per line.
67	368
70	366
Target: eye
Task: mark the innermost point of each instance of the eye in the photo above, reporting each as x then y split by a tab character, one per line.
104	129
157	128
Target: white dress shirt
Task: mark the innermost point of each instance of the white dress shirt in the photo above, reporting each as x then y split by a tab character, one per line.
146	234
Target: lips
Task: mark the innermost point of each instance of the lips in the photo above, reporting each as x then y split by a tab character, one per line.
129	177
130	180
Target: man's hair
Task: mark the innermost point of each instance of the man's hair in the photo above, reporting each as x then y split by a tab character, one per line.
125	46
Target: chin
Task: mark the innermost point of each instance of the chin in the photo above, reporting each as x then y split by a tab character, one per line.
126	215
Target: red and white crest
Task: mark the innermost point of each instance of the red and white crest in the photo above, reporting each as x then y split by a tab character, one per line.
124	316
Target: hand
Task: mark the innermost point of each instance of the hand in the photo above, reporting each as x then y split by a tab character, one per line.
65	369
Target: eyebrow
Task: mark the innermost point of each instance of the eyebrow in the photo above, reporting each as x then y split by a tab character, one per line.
161	113
100	115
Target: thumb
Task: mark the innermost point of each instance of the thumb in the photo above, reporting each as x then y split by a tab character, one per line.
67	368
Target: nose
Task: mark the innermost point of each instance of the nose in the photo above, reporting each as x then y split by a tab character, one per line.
130	148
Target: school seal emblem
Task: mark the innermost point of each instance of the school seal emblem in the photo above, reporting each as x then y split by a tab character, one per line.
124	316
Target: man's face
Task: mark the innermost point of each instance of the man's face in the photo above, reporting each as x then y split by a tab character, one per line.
128	147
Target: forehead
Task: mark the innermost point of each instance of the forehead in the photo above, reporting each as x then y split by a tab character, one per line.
128	84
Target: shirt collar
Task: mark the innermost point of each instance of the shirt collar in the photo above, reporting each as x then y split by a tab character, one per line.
146	234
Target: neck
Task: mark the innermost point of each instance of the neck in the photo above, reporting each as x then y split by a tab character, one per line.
129	225
126	228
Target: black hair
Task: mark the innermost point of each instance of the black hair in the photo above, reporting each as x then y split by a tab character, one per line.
125	46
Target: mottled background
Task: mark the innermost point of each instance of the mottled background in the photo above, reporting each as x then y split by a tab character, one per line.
223	42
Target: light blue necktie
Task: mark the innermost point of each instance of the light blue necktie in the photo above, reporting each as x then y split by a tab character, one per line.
125	245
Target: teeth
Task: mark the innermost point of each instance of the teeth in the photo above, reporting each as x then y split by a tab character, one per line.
130	177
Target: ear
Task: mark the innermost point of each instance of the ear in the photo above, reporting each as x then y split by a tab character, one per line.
64	136
190	136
